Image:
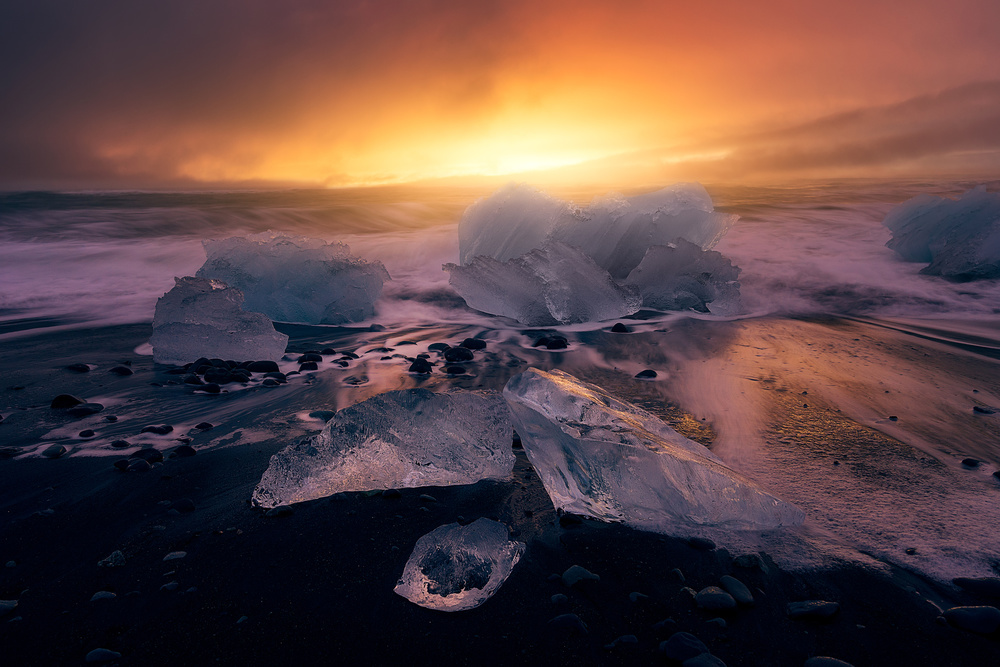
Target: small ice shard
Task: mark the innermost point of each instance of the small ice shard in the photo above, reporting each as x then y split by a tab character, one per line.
960	239
602	457
295	278
454	568
399	439
204	318
682	276
554	284
614	231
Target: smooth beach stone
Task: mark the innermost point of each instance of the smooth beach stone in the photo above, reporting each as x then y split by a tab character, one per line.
330	350
559	598
270	382
682	646
420	366
212	388
110	418
981	620
647	374
9	452
279	512
139	465
576	574
570	622
473	344
738	590
454	354
263	366
102	655
122	371
970	463
310	356
277	376
158	429
701	544
121	444
204	426
812	609
985	586
148	454
191	378
826	661
121	464
218	375
714	598
980	410
64	401
349	355
438	347
455	370
620	328
552	342
78	368
102	595
53	451
84	410
309	366
87	433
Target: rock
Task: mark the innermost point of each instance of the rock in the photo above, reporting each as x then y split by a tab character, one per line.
158	429
309	366
620	328
279	511
148	454
392	494
981	620
102	655
824	661
122	371
79	368
701	544
559	598
308	356
677	575
458	354
171	586
204	426
554	342
139	465
473	344
812	609
53	451
174	555
264	366
420	366
87	433
715	599
738	590
121	444
454	370
9	452
330	350
984	586
103	595
682	646
184	451
121	464
183	505
115	559
703	660
569	622
64	401
647	374
575	574
624	639
980	410
280	378
970	463
84	410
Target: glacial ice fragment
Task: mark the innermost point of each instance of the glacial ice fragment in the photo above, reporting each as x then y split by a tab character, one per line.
682	276
960	239
454	568
614	231
399	439
600	456
297	279
204	318
554	284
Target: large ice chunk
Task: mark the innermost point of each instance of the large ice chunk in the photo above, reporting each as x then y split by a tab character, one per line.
959	238
682	276
297	279
454	568
398	439
554	284
204	318
602	457
614	231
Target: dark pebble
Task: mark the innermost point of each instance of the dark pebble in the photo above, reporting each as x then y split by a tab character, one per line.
348	355
87	433
9	452
981	620
184	451
454	370
647	374
812	609
326	350
567	519
376	327
619	328
277	376
191	378
552	342
183	505
979	410
121	444
158	429
440	347
212	388
570	622
263	367
218	375
148	454
392	493
911	551
454	354
309	356
122	371
138	465
54	451
682	646
63	401
309	366
110	418
122	464
984	586
204	426
421	366
893	418
714	598
270	382
473	344
85	410
356	380
970	463
78	368
701	543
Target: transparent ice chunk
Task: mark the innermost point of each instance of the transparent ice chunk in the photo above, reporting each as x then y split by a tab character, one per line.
600	456
295	278
454	568
398	439
204	318
682	276
554	284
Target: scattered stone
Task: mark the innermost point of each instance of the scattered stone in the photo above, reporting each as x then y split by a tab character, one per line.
103	595
738	590
620	328
115	559
970	463
714	598
212	388
677	575
121	444
392	493
87	433
980	410
665	624
139	465
172	586
569	622
458	354
102	655
54	451
985	586
84	410
204	426
148	454
279	511
454	370
682	646
981	620
701	544
420	366
575	574
330	350
554	342
174	555
79	368
439	347
9	452
121	464
824	661
110	418
559	598
158	429
184	451
719	622
911	551
183	505
309	366
624	639
473	344
278	377
648	374
348	355
893	418
812	609
265	366
191	378
122	371
64	401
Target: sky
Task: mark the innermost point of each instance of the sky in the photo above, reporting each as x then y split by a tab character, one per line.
121	94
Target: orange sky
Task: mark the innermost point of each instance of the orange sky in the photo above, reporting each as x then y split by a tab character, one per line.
123	94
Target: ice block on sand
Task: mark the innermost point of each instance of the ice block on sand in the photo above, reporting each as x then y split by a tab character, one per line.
682	276
398	439
297	279
600	456
204	318
454	568
554	284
